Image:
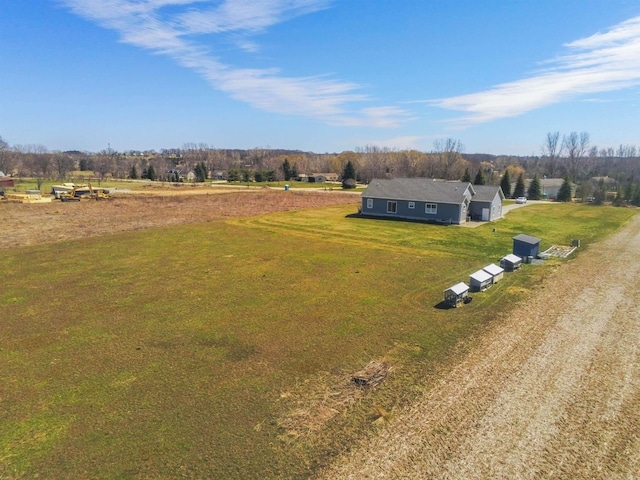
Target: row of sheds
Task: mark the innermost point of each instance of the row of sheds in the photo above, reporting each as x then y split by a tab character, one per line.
478	281
524	247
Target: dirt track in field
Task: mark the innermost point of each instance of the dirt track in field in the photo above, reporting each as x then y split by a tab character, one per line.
32	224
551	391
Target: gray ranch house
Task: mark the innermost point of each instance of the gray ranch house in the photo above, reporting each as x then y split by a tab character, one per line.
427	200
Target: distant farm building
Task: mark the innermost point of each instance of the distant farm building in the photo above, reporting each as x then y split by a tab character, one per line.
456	294
6	182
526	246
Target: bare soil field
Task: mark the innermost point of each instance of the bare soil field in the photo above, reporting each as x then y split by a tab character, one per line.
550	391
31	224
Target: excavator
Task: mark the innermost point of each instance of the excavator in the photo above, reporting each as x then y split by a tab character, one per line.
79	192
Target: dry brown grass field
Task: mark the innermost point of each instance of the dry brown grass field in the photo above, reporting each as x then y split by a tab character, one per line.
31	224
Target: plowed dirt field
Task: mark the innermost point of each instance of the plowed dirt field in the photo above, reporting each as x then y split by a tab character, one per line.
551	391
31	224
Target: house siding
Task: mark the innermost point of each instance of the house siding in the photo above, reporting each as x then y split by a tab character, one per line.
445	213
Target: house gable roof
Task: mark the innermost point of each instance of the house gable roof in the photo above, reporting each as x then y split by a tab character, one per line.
419	189
487	193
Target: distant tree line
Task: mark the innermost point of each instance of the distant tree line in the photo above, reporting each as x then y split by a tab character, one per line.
568	156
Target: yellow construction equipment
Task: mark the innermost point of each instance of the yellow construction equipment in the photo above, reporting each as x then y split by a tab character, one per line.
80	192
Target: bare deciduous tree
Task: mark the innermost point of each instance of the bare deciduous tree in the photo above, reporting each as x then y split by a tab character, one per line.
6	158
448	155
576	146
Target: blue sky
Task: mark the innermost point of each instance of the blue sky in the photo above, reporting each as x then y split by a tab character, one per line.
318	75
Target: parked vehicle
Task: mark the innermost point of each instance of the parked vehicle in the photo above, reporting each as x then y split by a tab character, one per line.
521	200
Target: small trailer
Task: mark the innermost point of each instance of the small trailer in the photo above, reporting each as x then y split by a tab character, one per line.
480	280
495	271
456	294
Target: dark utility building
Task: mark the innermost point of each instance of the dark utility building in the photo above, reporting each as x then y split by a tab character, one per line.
526	246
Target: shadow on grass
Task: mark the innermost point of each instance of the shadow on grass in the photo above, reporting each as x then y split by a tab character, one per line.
445	306
399	219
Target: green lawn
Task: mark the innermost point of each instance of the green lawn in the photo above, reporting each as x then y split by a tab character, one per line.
216	350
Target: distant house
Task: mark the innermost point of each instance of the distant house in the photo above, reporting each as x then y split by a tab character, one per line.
549	187
418	199
322	177
526	246
486	204
219	175
6	182
431	200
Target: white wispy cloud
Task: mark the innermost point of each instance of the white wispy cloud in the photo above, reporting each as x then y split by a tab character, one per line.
600	63
187	33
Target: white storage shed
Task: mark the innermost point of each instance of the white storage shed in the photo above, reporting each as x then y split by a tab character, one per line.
495	271
480	280
456	294
511	262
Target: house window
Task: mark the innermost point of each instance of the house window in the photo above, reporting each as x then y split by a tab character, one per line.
412	205
392	207
431	208
369	202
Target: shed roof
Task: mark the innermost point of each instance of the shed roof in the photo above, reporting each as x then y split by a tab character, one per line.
512	258
494	269
481	276
459	288
419	189
527	239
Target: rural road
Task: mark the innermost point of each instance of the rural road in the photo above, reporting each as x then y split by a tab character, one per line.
550	391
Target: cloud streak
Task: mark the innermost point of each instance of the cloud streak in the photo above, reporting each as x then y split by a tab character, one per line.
176	28
600	63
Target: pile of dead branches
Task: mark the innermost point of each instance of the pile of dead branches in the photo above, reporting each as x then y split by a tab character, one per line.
373	374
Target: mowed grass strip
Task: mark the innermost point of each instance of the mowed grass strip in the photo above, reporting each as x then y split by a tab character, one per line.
187	351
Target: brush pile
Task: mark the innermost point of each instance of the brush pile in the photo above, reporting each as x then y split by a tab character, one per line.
372	375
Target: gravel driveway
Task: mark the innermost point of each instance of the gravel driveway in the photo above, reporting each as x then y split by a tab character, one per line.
552	391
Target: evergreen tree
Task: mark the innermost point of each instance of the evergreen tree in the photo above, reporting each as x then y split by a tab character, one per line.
479	180
201	172
535	189
466	178
349	176
151	173
233	175
564	194
286	169
133	174
294	171
518	191
505	184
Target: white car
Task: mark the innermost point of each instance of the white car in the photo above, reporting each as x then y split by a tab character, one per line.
521	200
